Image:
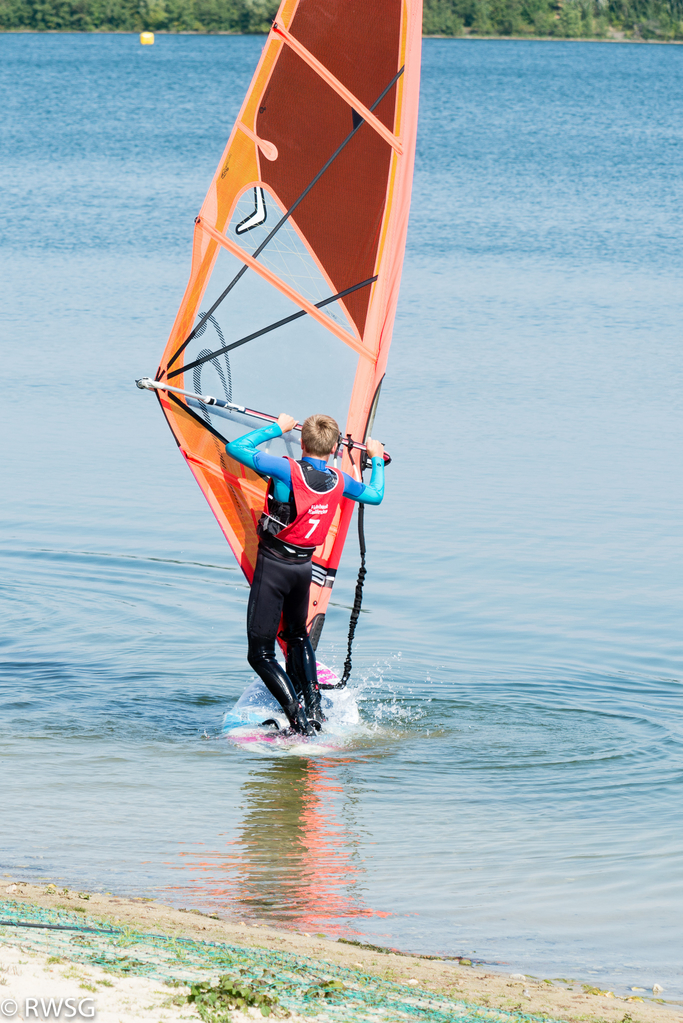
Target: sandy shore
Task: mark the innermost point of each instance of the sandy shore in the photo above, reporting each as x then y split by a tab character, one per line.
25	972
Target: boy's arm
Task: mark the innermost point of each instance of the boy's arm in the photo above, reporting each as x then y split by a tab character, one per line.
372	492
245	450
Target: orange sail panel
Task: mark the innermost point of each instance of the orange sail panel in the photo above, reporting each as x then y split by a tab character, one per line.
297	256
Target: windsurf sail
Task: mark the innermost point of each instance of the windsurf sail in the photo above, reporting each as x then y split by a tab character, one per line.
297	257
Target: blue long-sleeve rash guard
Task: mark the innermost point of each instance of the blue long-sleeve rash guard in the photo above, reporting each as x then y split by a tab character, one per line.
245	450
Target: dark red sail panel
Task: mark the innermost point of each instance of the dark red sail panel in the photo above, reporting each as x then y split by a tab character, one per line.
341	217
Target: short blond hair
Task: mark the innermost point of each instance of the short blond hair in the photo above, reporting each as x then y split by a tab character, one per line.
320	435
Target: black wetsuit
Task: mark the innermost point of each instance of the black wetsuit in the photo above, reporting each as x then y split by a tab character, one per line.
280	588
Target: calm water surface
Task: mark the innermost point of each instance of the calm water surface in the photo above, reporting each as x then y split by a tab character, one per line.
518	794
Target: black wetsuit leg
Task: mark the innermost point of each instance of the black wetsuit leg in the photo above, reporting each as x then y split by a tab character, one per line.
278	588
301	668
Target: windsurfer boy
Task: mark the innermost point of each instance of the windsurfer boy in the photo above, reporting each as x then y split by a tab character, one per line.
302	499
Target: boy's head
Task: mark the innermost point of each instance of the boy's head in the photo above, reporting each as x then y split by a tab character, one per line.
319	436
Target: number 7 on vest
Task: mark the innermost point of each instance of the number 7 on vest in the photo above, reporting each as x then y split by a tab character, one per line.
313	524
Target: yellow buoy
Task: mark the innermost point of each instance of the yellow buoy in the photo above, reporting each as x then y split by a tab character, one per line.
147	38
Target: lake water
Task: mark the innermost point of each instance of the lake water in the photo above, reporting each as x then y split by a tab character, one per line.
519	793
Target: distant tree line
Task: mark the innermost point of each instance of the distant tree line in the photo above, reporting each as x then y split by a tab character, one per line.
563	19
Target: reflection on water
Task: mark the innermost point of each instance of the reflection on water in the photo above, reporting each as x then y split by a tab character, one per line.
298	859
295	859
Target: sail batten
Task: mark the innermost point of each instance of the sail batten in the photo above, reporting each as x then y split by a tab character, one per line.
282	286
271	326
356	106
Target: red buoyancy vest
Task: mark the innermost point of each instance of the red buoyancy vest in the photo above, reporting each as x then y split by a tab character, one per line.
314	511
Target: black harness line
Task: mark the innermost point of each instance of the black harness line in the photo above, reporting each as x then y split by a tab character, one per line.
357	599
362	572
